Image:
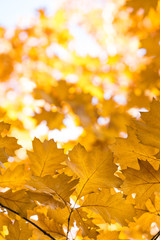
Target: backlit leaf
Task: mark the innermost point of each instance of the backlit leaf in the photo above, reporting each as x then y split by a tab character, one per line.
51	225
17	201
144	182
19	230
46	158
9	144
54	119
95	169
149	131
88	228
110	206
60	187
14	178
128	151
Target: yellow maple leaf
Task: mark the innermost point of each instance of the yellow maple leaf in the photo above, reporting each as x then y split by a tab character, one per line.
51	225
46	158
10	144
18	201
110	206
59	187
4	220
142	225
148	131
19	230
95	169
46	199
128	151
54	119
88	228
14	178
144	182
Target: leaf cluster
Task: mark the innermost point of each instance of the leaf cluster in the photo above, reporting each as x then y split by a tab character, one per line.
80	133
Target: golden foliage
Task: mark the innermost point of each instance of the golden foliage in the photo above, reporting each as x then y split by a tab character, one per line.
80	123
46	158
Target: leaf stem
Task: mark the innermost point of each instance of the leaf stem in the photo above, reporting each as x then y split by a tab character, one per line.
35	225
69	218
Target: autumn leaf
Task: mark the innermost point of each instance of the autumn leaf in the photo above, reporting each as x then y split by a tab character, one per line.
144	182
148	131
144	223
141	226
14	178
53	226
152	206
4	220
128	151
46	199
88	228
17	201
59	188
54	119
60	215
95	169
19	230
46	158
110	206
51	221
9	144
81	105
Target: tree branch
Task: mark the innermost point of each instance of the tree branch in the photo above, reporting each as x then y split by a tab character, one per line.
69	218
35	225
156	236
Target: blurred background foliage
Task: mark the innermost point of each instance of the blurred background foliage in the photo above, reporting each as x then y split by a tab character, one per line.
81	74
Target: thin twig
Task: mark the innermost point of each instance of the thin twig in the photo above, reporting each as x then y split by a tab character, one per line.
156	236
35	225
69	218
